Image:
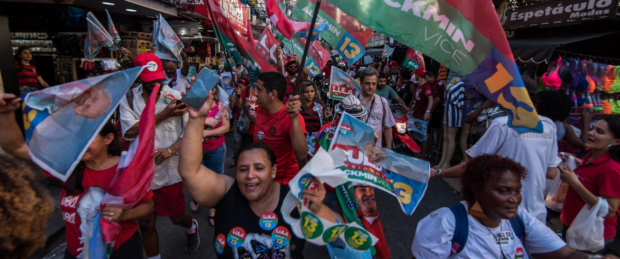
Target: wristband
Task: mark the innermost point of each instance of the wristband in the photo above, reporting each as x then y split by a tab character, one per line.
438	173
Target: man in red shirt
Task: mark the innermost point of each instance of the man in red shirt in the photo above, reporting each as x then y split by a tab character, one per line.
328	69
423	102
280	127
292	66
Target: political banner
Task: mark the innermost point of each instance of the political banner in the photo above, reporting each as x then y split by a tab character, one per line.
406	178
284	25
97	37
465	36
316	51
367	60
267	45
342	85
387	51
413	60
237	13
316	32
168	45
113	33
344	33
242	51
77	111
313	67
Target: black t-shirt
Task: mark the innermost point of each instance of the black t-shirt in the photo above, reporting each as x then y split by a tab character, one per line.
404	92
247	235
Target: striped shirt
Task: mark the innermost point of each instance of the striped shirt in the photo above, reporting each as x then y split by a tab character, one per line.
313	118
27	75
455	94
166	133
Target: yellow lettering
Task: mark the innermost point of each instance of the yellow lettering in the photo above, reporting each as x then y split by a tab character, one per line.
405	192
498	80
309	225
351	54
359	240
521	116
344	45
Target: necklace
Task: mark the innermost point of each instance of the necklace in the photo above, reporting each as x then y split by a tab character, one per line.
497	240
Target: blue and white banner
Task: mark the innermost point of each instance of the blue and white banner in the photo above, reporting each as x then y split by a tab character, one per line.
168	45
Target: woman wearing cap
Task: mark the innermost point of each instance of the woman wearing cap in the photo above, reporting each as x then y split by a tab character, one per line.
312	111
241	202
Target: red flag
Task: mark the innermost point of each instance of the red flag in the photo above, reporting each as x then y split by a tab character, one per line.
284	26
250	35
267	44
135	170
317	52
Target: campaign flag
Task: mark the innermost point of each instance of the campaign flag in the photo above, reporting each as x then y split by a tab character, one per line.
466	37
318	28
168	45
97	37
267	45
367	60
242	51
413	59
284	25
134	173
385	51
316	51
342	85
347	35
298	48
113	32
406	178
250	34
77	112
237	13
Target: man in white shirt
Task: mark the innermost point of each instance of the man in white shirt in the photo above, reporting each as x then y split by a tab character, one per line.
537	152
167	186
176	78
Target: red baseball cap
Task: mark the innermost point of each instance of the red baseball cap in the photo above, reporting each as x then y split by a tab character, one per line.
392	63
289	60
244	81
420	71
155	71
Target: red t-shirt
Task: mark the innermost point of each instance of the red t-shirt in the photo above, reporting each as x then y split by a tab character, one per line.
328	71
27	75
600	177
78	211
250	101
212	143
421	100
276	131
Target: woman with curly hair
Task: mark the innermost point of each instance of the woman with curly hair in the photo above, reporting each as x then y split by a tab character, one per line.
312	108
24	208
489	222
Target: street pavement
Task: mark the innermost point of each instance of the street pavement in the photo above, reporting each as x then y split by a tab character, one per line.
399	228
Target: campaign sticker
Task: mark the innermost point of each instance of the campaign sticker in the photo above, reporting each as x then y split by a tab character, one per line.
236	237
333	233
311	226
268	221
220	243
345	130
357	238
260	135
281	236
519	253
169	98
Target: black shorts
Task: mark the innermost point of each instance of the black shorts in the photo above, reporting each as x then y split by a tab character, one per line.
435	122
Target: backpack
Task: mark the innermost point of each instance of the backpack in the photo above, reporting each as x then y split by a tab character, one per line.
461	228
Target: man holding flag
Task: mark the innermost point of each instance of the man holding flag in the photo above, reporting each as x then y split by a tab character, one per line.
167	185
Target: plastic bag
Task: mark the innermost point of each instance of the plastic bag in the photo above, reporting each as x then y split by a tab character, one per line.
586	231
558	188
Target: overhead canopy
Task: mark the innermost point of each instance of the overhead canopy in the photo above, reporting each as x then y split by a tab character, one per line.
541	49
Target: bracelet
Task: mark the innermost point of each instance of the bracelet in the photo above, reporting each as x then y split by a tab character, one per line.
438	172
170	151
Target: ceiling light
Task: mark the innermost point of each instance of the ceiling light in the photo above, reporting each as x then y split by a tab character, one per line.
107	3
130	10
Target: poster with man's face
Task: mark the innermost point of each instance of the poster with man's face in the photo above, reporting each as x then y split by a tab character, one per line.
365	196
342	85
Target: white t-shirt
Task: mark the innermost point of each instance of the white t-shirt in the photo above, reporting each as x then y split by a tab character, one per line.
534	151
180	85
433	238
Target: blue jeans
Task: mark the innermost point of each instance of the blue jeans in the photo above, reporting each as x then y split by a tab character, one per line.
214	159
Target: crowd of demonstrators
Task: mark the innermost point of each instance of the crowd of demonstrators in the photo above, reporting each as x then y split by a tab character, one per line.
28	76
312	111
388	92
245	107
379	115
171	117
176	78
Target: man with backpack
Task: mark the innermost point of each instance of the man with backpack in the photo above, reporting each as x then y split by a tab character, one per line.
171	116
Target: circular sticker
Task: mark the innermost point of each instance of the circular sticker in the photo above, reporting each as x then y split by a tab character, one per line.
268	221
311	225
260	135
357	238
151	66
303	182
281	236
236	237
332	233
220	243
168	98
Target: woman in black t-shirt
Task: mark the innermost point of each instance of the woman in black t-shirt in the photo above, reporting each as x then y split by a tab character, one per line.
248	207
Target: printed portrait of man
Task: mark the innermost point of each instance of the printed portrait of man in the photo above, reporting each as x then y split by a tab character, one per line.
365	196
93	103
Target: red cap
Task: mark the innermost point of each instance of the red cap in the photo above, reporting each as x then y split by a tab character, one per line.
420	71
289	60
392	63
244	81
152	73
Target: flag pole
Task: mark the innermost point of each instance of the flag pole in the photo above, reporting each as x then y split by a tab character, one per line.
219	37
308	42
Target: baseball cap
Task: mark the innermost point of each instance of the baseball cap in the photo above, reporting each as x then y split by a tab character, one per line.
244	81
352	106
420	71
289	60
392	63
154	71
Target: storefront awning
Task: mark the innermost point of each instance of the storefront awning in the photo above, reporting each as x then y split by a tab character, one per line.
540	49
375	51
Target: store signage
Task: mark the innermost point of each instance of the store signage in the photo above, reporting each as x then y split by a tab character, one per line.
237	13
560	12
197	6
